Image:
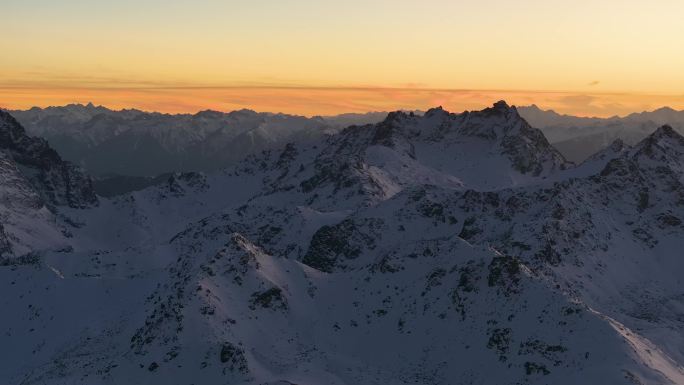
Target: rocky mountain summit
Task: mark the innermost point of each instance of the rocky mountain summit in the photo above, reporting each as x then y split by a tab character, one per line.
435	249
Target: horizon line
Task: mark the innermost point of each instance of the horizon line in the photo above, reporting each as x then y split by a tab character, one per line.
331	100
114	109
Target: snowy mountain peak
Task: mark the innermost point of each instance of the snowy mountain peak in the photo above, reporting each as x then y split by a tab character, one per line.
88	108
617	145
663	140
503	110
209	114
525	146
597	162
489	149
666	109
501	105
666	131
494	122
397	117
9	127
436	111
243	113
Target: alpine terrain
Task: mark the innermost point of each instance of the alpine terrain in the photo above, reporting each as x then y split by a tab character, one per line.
134	143
577	138
433	248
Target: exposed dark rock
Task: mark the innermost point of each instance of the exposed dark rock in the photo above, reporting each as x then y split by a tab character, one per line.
234	357
58	182
270	299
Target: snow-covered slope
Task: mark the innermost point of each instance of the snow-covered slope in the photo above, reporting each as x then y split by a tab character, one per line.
435	249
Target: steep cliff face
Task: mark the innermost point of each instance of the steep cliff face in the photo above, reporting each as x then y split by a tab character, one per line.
58	182
36	183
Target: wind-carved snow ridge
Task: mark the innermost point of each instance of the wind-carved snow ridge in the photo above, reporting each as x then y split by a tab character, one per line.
649	353
435	249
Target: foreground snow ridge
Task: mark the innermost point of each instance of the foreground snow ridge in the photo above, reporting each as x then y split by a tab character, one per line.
435	249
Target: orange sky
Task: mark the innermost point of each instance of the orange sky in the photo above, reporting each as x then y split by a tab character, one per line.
584	57
329	101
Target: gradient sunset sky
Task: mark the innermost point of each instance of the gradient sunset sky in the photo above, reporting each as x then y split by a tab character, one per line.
599	57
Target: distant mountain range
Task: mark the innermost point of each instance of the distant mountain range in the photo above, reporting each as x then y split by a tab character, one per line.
131	149
143	144
578	137
427	249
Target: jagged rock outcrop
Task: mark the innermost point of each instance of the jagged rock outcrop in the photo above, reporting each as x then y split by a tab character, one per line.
57	181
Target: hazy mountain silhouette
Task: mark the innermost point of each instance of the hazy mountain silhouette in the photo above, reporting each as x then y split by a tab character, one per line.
145	144
580	137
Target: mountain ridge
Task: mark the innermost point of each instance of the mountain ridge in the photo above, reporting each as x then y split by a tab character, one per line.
580	137
93	137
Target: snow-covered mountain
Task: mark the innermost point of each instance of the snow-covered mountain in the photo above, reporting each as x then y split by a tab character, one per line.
579	137
435	249
142	144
